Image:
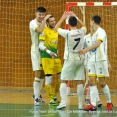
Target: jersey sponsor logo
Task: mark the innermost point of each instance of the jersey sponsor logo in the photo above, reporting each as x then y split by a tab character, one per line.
89	70
100	70
54	41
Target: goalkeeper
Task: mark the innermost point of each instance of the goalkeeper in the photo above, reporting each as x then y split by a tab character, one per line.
50	61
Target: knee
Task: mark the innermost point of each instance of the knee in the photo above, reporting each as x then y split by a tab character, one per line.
48	79
92	82
102	84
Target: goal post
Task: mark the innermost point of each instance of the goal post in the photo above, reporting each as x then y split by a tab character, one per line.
107	11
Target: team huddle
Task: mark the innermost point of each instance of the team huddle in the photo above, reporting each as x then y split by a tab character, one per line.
81	52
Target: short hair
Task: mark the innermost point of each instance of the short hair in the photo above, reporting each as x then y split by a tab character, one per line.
96	19
72	21
49	18
41	9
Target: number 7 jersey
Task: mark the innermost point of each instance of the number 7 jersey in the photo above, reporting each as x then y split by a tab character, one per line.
74	41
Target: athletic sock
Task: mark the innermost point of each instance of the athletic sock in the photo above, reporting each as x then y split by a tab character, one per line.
40	86
107	93
97	98
36	88
93	95
80	92
63	91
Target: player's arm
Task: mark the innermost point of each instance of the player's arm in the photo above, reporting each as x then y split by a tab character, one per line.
96	45
64	16
40	28
43	48
79	21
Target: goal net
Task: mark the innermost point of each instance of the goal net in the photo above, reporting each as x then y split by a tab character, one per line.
107	12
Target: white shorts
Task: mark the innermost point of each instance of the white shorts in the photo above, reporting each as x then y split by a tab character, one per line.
99	69
73	70
36	60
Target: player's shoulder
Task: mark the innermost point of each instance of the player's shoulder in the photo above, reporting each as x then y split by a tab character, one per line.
101	30
87	36
46	29
33	21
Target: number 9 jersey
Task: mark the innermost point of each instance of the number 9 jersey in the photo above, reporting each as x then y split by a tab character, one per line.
74	41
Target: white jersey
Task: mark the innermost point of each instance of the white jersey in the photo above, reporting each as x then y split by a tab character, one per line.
74	41
34	35
100	53
88	43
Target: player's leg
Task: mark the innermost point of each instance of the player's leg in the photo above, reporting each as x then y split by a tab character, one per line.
57	70
66	74
48	65
93	87
79	77
103	69
57	85
99	103
36	68
87	99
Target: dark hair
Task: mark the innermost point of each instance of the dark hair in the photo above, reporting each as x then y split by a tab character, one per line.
72	21
49	18
96	19
41	9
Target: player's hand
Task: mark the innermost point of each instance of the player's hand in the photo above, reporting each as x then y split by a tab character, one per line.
65	15
71	13
83	51
53	55
47	16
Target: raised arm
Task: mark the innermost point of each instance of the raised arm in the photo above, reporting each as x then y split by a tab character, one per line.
79	21
42	26
64	16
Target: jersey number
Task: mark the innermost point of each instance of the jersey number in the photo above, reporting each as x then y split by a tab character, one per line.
77	42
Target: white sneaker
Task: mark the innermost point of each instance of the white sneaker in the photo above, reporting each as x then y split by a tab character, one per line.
36	102
80	107
61	105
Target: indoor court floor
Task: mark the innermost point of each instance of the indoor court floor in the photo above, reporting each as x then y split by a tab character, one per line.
18	103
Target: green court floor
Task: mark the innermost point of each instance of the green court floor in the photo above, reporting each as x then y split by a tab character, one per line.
29	110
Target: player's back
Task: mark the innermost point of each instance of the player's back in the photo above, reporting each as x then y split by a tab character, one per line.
75	40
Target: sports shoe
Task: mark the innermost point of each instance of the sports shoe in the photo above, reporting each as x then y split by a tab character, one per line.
87	101
90	108
80	107
54	101
36	102
99	103
109	106
40	99
61	105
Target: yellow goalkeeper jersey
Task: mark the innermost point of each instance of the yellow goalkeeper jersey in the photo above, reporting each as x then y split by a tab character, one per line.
50	38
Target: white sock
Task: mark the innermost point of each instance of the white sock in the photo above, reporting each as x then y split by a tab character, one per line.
93	95
41	83
80	92
40	86
63	91
107	93
97	98
88	94
36	87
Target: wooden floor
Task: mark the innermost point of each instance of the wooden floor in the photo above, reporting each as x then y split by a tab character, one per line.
18	103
